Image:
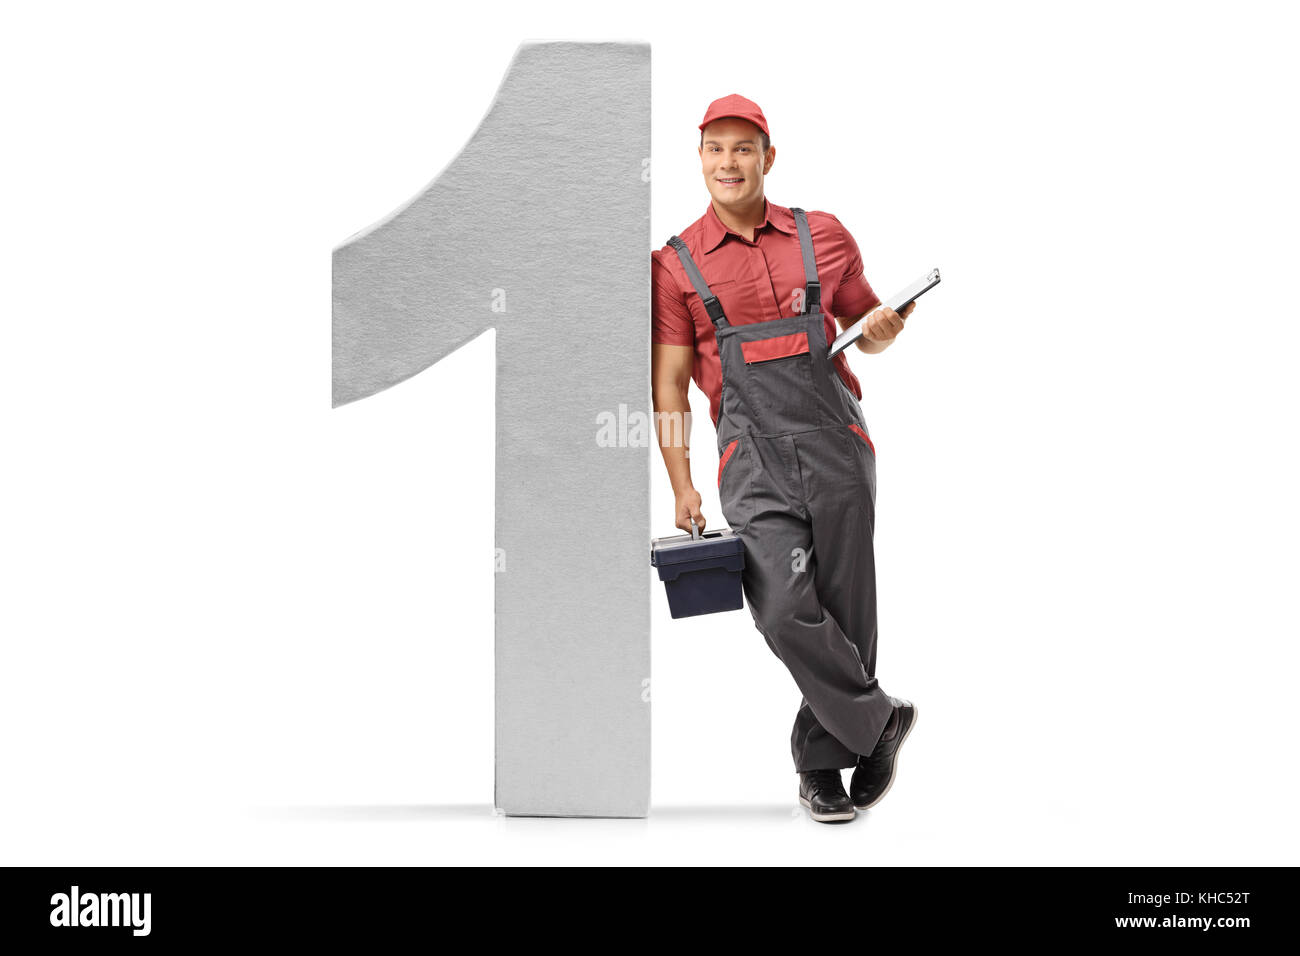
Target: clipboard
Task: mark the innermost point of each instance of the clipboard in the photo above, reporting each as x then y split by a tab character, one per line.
897	303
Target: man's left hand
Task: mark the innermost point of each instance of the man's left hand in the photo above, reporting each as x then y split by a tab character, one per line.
884	324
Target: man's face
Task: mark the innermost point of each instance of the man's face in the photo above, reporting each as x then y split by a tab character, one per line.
733	162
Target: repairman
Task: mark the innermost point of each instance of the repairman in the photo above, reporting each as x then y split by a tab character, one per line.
742	303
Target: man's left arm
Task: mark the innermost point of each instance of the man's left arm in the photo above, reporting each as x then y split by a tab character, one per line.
854	298
882	328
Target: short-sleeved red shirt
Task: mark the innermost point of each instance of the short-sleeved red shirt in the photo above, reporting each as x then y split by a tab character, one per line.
755	282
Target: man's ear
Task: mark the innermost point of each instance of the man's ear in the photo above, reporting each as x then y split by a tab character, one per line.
769	159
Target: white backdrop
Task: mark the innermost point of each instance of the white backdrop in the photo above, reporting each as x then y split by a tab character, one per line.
240	626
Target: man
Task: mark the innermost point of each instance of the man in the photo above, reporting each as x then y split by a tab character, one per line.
738	306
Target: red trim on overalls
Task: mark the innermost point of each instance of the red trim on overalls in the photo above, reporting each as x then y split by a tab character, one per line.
779	346
865	437
722	462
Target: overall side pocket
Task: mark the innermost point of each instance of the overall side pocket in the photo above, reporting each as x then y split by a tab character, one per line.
734	483
868	472
864	436
725	457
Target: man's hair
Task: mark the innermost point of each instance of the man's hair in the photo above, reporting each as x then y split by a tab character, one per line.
762	139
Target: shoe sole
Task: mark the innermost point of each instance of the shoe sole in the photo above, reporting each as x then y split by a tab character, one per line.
827	817
893	769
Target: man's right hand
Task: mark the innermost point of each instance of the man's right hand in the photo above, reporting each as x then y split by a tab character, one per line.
688	506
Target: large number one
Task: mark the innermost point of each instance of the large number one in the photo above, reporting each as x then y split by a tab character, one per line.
540	229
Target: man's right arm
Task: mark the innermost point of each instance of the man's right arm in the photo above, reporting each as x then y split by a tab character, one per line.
672	361
670	375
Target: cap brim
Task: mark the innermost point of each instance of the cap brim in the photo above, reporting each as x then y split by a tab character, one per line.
730	116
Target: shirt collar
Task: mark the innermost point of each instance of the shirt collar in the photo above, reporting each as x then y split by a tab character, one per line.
778	217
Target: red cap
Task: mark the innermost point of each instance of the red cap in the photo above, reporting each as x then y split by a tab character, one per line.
735	105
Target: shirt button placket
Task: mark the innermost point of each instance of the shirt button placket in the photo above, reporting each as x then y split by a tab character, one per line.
771	307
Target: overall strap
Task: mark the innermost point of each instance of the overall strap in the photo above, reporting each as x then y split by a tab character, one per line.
813	297
711	303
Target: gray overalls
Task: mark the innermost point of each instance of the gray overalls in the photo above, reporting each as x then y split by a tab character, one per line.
797	470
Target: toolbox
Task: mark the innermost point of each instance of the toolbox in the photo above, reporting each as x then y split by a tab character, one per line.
701	572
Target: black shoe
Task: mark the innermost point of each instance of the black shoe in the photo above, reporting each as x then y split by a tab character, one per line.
822	792
874	774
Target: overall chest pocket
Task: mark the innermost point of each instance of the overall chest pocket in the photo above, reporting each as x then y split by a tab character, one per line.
777	347
779	380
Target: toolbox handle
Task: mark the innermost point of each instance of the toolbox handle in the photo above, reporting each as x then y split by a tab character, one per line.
695	530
